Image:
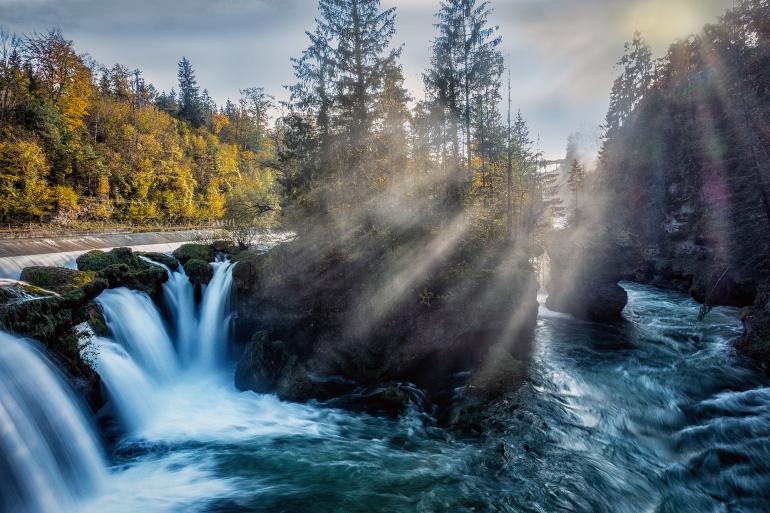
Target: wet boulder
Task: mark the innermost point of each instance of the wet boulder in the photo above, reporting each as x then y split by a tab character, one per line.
96	319
262	364
755	342
499	375
198	271
97	260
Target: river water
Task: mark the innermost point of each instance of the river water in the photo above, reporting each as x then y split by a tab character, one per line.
656	414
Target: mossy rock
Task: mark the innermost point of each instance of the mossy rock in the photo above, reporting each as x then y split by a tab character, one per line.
17	292
57	279
52	320
162	258
198	271
121	267
187	252
99	260
96	319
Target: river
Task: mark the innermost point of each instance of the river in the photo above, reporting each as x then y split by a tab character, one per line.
656	414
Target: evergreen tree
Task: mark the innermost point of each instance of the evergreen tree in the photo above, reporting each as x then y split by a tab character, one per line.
467	63
575	181
342	79
190	104
635	79
257	103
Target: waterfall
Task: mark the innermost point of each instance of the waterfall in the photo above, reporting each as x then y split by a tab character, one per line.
49	456
135	323
213	329
179	297
143	359
130	388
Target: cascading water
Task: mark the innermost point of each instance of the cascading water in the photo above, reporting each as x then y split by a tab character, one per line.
135	323
128	385
179	297
214	325
49	456
142	363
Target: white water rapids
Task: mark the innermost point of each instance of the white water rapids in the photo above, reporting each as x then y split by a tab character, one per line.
656	414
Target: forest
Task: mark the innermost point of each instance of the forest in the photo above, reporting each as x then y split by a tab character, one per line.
87	143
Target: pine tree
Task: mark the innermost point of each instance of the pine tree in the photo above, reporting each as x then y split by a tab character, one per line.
635	79
575	181
190	105
467	63
342	80
258	103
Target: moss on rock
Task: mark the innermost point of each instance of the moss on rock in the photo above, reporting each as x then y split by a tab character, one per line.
57	279
99	260
187	252
52	320
96	320
121	267
198	271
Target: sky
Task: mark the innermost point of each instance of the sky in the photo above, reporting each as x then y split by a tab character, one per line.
561	53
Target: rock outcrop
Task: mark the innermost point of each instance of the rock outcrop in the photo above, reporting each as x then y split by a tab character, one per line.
187	252
327	318
584	271
121	267
755	342
52	321
57	279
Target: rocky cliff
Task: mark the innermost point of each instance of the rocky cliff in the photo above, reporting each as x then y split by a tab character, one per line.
585	266
369	315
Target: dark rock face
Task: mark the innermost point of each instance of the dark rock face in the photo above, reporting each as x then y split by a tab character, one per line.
198	271
584	273
262	364
364	315
755	342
